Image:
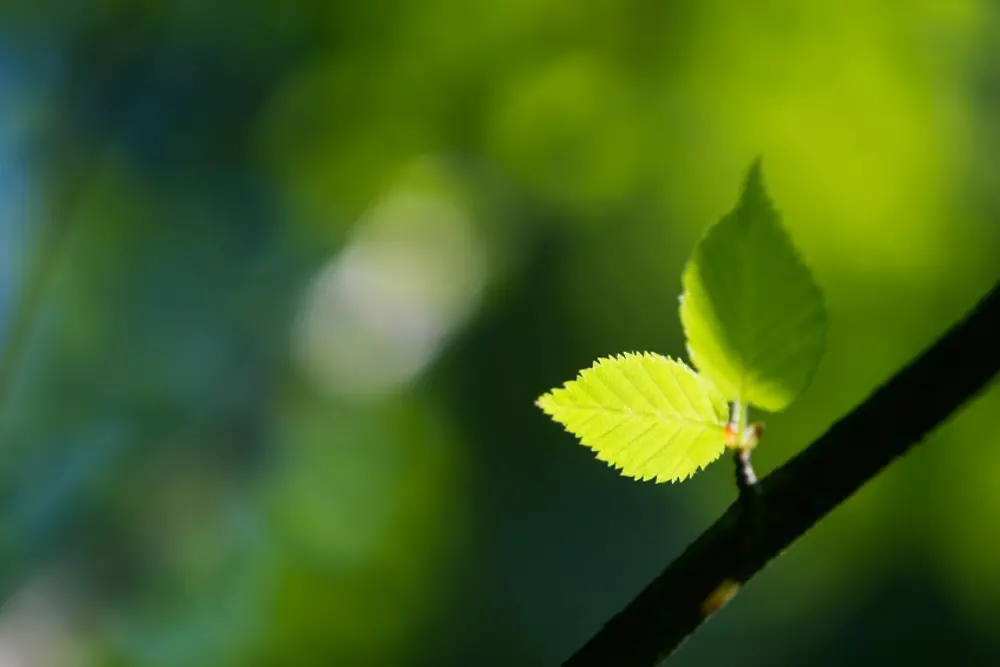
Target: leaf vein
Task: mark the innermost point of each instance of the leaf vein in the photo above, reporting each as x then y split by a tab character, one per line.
621	453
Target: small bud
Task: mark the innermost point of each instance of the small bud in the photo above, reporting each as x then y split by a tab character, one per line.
729	433
752	435
718	598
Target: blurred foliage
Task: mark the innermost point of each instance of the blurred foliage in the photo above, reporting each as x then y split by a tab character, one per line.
295	273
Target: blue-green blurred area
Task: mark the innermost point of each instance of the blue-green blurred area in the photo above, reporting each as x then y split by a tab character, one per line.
279	284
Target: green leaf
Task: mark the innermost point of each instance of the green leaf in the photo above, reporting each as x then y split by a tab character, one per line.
649	416
752	313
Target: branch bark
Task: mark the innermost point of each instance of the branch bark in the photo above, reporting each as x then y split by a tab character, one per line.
796	496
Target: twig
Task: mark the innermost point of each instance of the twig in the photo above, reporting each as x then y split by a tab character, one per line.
746	478
800	493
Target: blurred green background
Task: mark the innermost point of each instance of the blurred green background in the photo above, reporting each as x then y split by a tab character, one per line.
279	283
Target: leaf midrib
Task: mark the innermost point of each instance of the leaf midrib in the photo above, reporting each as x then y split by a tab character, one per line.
657	415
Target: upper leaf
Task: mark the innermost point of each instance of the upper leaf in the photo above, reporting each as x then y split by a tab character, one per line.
752	313
650	416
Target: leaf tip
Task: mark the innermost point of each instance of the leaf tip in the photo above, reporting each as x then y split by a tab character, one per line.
754	189
544	402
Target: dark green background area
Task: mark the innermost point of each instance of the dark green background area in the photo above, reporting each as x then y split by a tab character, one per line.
296	272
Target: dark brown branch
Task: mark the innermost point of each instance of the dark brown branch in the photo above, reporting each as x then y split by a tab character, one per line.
800	493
